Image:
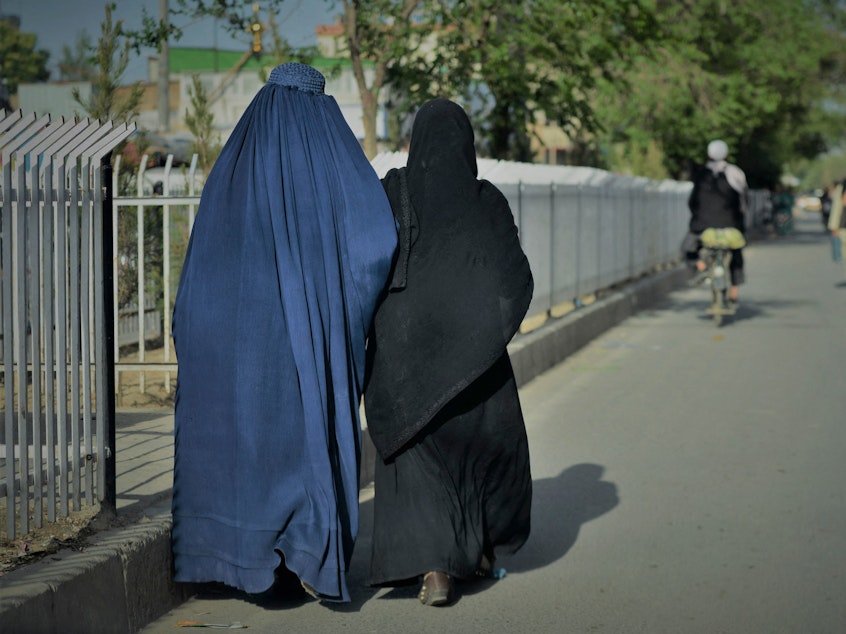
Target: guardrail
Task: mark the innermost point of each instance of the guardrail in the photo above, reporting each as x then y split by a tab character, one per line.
58	409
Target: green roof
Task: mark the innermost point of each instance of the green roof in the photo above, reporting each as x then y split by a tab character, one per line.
187	60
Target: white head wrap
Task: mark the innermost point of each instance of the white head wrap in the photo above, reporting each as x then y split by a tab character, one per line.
717	150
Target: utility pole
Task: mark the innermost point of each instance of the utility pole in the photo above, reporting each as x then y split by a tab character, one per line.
164	73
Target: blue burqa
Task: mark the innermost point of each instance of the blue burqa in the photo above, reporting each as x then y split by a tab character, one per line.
291	249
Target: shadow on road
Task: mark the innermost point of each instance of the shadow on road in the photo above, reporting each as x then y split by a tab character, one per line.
127	417
560	506
798	238
749	309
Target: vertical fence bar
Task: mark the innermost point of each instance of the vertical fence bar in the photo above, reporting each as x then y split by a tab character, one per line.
49	345
22	329
115	174
75	344
85	329
191	192
142	304
8	347
61	330
579	194
33	251
10	142
166	266
103	313
103	310
552	249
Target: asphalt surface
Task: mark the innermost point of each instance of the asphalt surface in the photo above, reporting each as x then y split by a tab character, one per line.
687	479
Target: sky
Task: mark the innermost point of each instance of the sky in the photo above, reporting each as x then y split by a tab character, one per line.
58	23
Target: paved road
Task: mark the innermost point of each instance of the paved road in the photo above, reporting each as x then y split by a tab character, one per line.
688	479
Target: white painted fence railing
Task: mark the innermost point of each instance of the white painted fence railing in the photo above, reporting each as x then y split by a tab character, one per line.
583	230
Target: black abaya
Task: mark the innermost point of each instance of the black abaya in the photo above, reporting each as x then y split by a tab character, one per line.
452	476
460	491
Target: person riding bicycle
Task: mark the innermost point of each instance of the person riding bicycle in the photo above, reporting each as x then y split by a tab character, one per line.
718	201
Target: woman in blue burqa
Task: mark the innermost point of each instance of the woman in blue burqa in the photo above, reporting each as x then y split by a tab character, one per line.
452	479
290	250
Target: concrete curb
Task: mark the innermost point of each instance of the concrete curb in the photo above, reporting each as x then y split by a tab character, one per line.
535	352
120	582
123	580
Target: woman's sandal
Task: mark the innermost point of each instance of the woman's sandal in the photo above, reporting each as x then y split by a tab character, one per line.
486	569
436	589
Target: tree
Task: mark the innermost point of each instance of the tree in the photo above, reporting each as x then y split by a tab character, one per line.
744	73
76	63
200	122
20	62
281	50
513	61
382	34
378	32
105	103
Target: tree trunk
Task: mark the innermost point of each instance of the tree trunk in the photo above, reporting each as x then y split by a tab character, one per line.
370	108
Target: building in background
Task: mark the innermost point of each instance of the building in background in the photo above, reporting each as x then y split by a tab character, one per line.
232	83
231	79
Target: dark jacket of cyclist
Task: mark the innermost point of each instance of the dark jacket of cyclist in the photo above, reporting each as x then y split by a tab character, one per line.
718	200
714	203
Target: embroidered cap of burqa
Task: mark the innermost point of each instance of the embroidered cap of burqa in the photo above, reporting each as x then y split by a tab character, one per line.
460	287
291	248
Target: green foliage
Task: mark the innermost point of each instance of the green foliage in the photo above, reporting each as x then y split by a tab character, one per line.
77	63
105	103
820	172
236	16
752	74
639	86
20	62
200	122
510	61
127	255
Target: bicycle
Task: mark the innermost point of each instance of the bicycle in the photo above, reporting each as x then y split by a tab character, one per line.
717	245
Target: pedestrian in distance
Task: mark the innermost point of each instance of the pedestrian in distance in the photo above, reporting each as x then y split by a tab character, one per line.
837	223
452	477
782	202
718	201
825	207
291	248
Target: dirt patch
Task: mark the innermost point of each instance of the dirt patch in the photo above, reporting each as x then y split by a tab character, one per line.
70	532
148	389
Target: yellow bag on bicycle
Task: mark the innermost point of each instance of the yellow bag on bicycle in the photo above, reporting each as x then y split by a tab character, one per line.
724	238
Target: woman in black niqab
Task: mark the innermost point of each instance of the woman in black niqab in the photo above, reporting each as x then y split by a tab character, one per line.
452	481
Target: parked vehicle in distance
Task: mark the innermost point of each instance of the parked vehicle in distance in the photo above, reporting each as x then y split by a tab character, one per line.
809	201
178	180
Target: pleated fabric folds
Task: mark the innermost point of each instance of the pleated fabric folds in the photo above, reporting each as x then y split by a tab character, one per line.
291	249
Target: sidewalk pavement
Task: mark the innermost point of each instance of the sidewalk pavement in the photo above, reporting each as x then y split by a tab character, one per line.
123	580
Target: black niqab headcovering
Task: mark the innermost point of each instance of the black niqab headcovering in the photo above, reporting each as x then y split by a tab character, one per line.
461	283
